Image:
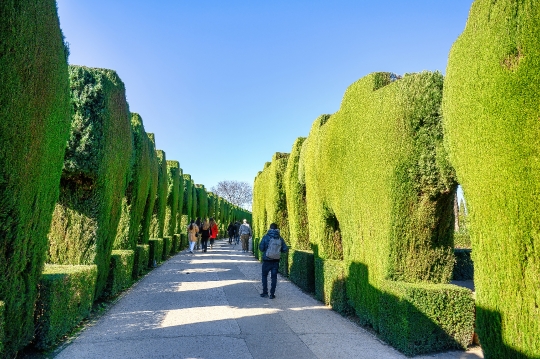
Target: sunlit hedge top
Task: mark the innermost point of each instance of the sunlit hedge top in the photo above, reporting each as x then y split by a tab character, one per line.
492	110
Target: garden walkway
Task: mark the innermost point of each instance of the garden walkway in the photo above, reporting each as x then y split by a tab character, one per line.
207	305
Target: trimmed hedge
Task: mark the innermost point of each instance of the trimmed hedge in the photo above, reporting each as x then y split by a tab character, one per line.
157	226
202	201
418	318
183	241
34	127
95	174
167	243
144	228
302	269
401	225
295	190
464	267
155	251
2	325
173	191
187	207
179	210
121	271
491	107
134	202
66	294
330	284
141	258
175	244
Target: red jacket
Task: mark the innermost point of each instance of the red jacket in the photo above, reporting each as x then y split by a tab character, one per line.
214	231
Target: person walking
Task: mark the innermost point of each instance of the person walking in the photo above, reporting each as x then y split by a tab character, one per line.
272	245
214	232
230	232
199	225
236	234
205	235
192	235
245	234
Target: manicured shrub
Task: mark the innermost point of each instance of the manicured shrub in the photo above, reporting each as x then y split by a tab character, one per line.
121	271
302	269
134	202
187	207
419	318
157	226
202	201
175	243
167	243
330	284
491	108
179	214
140	262
34	127
296	200
144	227
66	294
401	225
464	267
173	183
2	325
155	251
95	174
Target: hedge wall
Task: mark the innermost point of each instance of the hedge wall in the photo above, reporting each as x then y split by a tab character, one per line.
138	188
2	326
156	251
330	284
302	269
173	191
144	227
419	318
491	107
66	294
35	113
157	226
179	211
399	226
121	271
202	201
296	200
140	261
95	174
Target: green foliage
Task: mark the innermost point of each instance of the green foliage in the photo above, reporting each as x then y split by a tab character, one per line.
464	267
121	271
296	200
2	325
144	227
399	226
175	243
179	214
183	241
138	188
155	251
167	243
157	226
202	201
95	174
491	108
187	207
140	262
35	118
302	269
66	294
330	284
173	190
419	318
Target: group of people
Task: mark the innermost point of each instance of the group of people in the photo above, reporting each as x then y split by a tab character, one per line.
239	232
271	246
200	233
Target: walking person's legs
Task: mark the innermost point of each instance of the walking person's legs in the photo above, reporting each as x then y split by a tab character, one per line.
273	276
265	269
211	242
191	246
245	242
204	244
198	242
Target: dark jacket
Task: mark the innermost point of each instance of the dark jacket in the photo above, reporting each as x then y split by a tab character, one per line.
263	246
230	229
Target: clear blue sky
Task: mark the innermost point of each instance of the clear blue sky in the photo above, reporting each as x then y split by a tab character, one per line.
225	84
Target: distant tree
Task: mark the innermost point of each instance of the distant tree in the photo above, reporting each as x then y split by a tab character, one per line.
236	192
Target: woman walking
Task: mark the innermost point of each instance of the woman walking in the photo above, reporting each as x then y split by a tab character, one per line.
199	225
192	233
205	235
214	232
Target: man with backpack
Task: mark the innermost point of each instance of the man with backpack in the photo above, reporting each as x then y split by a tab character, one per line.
272	245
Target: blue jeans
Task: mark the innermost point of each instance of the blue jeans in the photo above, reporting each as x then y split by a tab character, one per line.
272	267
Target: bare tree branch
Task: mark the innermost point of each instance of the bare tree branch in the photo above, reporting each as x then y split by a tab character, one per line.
238	193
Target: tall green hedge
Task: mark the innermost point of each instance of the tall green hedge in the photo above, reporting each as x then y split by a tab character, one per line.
179	211
188	197
492	108
202	201
137	190
35	118
144	227
296	200
399	225
95	174
173	189
157	226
